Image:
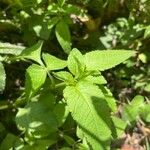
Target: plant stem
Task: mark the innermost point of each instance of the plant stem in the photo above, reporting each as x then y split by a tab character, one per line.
60	85
52	79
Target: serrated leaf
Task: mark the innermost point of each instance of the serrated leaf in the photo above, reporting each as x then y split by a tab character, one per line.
109	98
37	118
103	60
76	63
89	109
33	53
35	78
147	32
2	77
7	48
96	79
64	76
63	36
61	2
53	63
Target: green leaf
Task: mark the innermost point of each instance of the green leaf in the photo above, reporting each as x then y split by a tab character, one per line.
64	76
41	144
109	98
76	63
63	36
61	2
98	79
37	118
35	78
89	109
120	125
103	60
131	111
11	142
52	22
33	53
147	87
7	48
145	113
2	77
53	63
61	112
147	32
69	140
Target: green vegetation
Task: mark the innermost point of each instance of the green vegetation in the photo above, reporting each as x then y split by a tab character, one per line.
74	74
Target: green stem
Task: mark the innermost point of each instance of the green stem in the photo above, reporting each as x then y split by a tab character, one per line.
60	85
52	79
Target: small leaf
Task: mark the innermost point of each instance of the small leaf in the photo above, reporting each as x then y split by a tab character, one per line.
61	2
103	60
63	36
147	32
76	63
89	109
35	78
53	63
96	79
64	76
52	22
147	87
132	111
145	113
2	77
69	140
33	53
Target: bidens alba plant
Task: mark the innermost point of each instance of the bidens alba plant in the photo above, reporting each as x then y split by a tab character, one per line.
56	88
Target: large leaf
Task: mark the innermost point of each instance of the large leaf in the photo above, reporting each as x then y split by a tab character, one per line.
37	117
53	63
76	63
63	36
33	53
2	77
35	78
11	142
90	110
103	60
7	48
